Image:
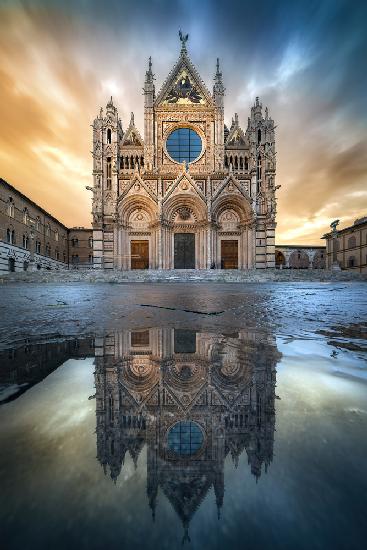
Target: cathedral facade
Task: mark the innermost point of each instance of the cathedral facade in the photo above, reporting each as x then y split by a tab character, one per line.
191	193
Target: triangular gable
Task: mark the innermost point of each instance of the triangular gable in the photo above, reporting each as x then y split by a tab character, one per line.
136	179
236	136
132	135
231	179
182	179
184	86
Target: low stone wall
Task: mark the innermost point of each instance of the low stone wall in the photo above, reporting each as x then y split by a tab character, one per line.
176	276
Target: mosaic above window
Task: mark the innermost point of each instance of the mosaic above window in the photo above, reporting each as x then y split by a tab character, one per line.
184	144
184	91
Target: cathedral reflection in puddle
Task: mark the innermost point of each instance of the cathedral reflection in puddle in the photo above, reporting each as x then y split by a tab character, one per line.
193	398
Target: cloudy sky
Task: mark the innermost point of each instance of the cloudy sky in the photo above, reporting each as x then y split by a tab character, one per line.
61	60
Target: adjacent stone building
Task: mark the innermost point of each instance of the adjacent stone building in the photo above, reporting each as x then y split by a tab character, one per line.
192	193
80	248
351	247
30	237
300	257
29	232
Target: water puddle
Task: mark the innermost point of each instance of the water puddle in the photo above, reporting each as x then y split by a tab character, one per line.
158	436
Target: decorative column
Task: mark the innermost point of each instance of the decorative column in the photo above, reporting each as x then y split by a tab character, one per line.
334	234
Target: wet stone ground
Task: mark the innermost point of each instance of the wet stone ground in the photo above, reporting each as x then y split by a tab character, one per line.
210	415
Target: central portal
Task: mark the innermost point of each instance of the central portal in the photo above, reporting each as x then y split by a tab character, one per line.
184	250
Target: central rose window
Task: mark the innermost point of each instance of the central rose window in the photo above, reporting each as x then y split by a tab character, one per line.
184	144
185	438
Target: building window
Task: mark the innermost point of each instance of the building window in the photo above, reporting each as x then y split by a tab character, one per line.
64	257
351	242
48	230
25	216
109	172
259	136
11	207
38	223
48	249
10	236
184	144
90	242
108	135
246	163
75	259
25	241
57	254
351	261
11	264
38	247
74	242
90	258
56	235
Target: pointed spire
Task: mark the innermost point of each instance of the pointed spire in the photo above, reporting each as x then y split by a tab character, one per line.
218	89
186	537
132	123
236	119
149	76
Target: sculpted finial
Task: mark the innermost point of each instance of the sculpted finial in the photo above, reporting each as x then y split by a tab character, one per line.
184	39
334	224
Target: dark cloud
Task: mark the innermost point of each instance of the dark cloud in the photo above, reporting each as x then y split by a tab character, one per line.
61	59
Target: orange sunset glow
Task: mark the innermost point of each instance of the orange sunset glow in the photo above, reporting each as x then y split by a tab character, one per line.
61	61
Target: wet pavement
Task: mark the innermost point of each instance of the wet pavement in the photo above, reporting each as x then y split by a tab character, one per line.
151	416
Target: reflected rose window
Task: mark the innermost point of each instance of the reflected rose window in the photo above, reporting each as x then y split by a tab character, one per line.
184	144
185	438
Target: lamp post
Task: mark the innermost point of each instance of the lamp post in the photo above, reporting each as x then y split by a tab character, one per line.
334	234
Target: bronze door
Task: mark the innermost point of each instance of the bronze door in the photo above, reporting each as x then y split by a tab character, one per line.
139	254
184	251
229	254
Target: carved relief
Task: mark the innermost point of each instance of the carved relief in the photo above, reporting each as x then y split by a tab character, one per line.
229	220
184	91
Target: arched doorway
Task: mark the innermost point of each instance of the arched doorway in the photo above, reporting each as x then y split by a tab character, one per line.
299	260
279	259
318	261
184	232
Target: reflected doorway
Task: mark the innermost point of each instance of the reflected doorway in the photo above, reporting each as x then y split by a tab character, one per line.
229	254
184	251
139	254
